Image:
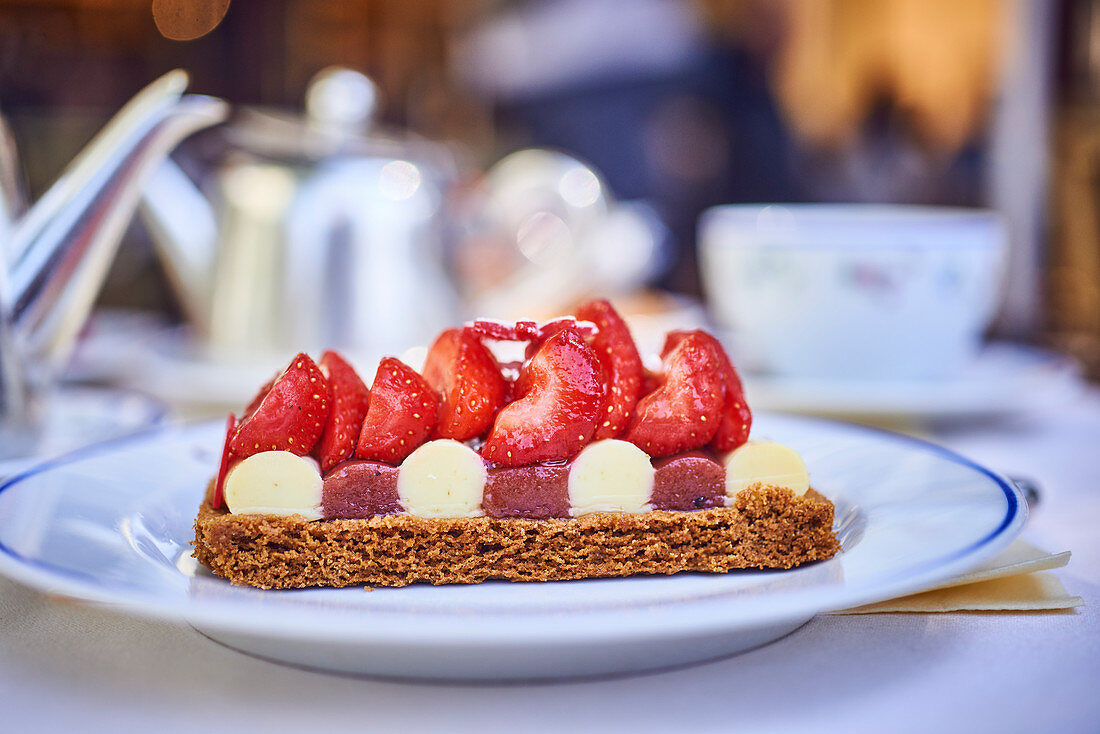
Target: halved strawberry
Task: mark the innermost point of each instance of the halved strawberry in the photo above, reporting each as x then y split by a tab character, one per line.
223	469
586	329
468	380
736	418
289	417
350	398
622	366
558	396
682	414
401	414
735	424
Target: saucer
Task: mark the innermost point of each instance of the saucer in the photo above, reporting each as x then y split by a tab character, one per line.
1006	379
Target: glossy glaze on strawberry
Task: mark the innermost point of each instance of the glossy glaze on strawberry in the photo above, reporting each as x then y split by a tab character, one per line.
682	414
736	422
558	397
528	331
622	366
401	415
350	398
468	381
581	381
736	418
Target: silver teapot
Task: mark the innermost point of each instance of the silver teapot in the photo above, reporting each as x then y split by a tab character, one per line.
304	232
57	252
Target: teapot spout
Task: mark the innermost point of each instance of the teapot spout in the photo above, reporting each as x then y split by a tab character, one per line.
60	251
184	230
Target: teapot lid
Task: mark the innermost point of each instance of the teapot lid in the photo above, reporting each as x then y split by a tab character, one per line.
341	106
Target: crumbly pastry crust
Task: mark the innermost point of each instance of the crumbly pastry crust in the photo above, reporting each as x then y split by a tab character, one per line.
767	527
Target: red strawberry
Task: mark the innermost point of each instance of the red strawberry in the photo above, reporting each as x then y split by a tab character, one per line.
289	417
558	401
527	331
736	419
622	366
350	398
230	429
502	331
682	414
585	327
219	485
466	376
401	414
735	424
248	411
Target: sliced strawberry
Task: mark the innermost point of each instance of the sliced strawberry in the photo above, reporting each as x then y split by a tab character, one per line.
585	327
558	396
464	373
289	417
401	414
736	419
651	380
350	398
223	470
622	366
502	331
735	424
682	414
528	331
248	411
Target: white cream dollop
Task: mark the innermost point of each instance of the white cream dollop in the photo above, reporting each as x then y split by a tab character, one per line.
275	483
766	462
442	478
611	476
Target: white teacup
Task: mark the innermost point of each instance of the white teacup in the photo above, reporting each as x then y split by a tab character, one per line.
860	291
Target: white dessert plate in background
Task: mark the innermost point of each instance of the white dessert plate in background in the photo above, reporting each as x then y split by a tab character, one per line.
113	523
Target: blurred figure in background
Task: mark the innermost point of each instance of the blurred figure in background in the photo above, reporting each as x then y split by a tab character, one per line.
696	104
686	104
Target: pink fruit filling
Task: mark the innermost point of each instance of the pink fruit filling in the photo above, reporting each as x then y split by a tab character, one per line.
537	492
692	481
357	489
361	489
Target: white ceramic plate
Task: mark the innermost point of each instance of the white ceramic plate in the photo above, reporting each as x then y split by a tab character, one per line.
112	524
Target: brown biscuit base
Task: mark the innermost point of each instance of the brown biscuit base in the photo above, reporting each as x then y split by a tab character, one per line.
767	527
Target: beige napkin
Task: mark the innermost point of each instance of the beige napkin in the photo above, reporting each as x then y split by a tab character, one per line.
1012	581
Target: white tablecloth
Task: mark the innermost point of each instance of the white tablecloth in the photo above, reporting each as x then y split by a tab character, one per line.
69	667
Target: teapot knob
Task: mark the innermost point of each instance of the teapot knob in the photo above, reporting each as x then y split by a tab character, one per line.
341	98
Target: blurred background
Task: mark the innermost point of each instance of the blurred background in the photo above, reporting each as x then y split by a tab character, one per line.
391	167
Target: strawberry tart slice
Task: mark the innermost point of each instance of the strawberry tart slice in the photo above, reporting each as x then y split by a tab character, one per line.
575	463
